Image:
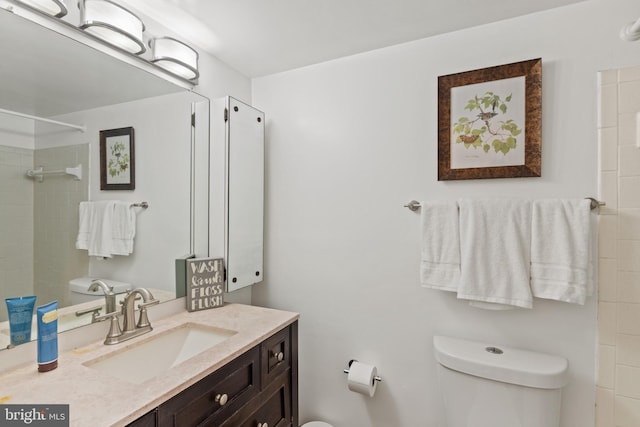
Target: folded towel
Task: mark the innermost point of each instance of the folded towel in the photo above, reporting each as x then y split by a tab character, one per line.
495	245
440	246
561	250
123	228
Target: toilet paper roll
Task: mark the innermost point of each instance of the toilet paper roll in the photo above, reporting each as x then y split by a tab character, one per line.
361	378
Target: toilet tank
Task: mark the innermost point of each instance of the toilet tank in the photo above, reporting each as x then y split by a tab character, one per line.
486	385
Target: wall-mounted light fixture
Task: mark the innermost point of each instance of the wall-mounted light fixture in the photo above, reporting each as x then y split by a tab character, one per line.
175	57
55	8
631	31
112	23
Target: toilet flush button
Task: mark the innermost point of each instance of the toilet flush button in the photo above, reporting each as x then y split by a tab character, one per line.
494	350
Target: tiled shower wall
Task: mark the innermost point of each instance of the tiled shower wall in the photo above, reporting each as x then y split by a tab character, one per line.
16	224
618	384
56	203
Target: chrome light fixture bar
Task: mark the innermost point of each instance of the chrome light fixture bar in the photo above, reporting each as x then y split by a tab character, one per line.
175	57
55	8
112	23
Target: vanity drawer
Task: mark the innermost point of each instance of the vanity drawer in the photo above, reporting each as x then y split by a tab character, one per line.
272	407
275	355
215	397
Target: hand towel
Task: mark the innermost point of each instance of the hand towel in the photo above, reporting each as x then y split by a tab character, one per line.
440	248
95	228
84	211
495	247
106	228
561	250
123	228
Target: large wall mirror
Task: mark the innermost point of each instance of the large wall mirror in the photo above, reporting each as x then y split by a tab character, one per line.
49	75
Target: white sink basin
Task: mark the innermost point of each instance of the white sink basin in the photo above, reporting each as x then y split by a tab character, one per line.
152	357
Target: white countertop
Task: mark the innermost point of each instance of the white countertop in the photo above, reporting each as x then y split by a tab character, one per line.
97	399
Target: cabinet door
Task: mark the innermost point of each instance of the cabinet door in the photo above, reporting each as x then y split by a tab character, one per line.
236	185
245	195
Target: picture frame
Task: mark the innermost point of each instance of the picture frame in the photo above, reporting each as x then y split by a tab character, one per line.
490	122
117	159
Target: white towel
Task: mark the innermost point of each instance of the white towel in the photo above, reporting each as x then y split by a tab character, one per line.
495	245
84	211
440	246
95	228
123	228
561	243
106	228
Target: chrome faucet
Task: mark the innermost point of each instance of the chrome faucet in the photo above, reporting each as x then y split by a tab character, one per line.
130	328
109	295
129	324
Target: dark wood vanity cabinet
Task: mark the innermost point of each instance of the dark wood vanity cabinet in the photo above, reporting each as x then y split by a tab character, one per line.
257	389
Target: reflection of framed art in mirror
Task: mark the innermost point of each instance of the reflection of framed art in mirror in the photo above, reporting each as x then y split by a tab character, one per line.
117	160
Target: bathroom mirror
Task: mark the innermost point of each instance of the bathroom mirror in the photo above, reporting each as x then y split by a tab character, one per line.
50	75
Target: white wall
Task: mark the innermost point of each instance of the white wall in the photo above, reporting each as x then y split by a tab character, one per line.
350	141
162	128
16	132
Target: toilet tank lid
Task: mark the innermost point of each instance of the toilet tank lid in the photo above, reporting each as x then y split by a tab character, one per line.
81	284
514	366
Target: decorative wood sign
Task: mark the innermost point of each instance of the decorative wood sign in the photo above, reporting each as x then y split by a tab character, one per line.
205	283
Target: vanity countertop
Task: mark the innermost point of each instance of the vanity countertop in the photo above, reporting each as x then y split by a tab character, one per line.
97	399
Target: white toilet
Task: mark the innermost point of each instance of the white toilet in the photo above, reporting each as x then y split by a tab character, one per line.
487	386
316	424
79	293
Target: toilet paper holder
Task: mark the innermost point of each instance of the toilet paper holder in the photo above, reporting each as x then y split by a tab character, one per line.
346	371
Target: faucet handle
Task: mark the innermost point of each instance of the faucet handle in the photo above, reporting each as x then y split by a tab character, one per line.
114	327
143	320
144	305
107	316
95	311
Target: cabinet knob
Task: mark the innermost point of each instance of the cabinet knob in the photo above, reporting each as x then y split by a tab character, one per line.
279	356
221	399
263	425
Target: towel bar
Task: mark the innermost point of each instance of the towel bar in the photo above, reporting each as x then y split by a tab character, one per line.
595	204
414	205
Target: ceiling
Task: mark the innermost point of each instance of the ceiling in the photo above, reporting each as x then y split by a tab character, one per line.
260	37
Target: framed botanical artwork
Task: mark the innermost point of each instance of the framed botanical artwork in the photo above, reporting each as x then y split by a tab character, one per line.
490	122
117	159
